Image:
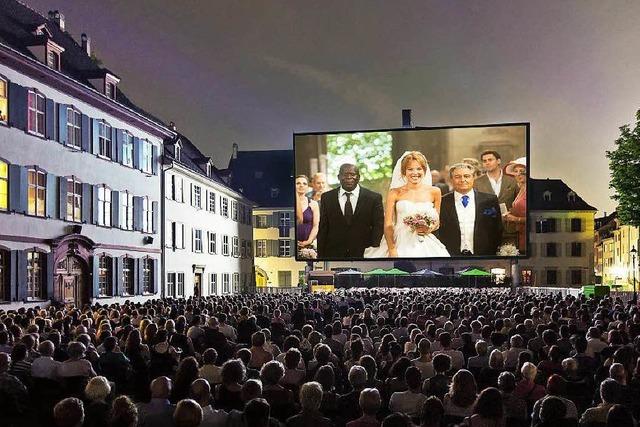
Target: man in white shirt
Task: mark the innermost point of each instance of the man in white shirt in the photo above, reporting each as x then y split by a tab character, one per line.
494	181
44	366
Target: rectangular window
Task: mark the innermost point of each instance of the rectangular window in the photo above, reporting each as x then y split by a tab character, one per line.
37	192
225	207
4	276
104	206
4	186
197	196
171	284
234	210
147	157
4	103
53	60
36	111
576	249
285	219
104	139
127	149
225	245
236	282
576	225
147	275
197	240
243	251
576	277
110	90
213	284
74	200
147	215
104	276
284	278
74	128
261	221
212	243
261	248
552	277
180	284
212	202
235	248
552	250
178	232
225	283
284	231
126	211
284	248
128	279
35	275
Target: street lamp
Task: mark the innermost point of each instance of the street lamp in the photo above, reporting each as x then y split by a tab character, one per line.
633	252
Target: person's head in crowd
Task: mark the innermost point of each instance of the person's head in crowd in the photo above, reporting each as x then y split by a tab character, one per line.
257	412
244	355
319	182
188	413
481	347
322	354
432	412
552	410
618	373
209	356
46	348
302	184
325	377
516	341
369	364
570	367
496	360
124	412
251	389
506	382
68	412
424	347
97	389
491	160
76	350
620	416
349	176
161	388
110	344
463	388
489	404
397	419
5	362
529	371
462	177
399	367
19	352
370	401
556	385
413	378
441	363
292	358
200	391
357	377
310	396
258	339
271	373
609	390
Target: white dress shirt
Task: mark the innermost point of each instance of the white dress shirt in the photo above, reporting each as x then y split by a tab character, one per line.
496	184
466	219
342	198
45	367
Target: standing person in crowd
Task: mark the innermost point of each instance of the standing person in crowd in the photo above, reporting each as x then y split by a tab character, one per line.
318	186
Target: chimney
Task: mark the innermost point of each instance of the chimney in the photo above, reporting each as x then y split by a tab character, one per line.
57	18
235	151
86	43
172	126
406	118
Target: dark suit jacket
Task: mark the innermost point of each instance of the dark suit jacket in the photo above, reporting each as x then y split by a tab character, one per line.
336	239
508	190
487	230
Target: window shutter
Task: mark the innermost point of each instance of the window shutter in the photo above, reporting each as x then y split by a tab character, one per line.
115	209
114	275
95	279
86	133
559	250
276	220
18	188
18	106
50	131
95	136
94	203
52	195
22	275
137	213
62	124
136	152
155	285
543	249
48	279
62	194
182	228
13	275
86	203
141	143
154	160
583	227
191	194
583	277
567	225
118	139
193	240
567	248
137	276
154	217
114	145
117	279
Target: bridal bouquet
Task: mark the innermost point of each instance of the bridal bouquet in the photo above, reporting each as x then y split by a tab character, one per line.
307	252
419	220
508	249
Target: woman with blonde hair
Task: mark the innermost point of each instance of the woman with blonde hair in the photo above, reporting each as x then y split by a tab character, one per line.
458	403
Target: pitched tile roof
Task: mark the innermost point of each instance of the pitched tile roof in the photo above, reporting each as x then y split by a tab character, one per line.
266	177
559	200
192	158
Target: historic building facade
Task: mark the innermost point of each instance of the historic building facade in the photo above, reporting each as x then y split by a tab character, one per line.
207	227
79	172
613	257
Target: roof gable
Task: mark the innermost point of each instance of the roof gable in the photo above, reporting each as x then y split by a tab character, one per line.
555	195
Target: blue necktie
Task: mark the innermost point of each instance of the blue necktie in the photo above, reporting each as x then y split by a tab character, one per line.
465	200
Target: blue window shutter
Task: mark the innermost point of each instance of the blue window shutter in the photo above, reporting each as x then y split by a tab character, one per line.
137	276
137	213
155	283
94	204
62	194
18	106
114	145
154	216
86	203
50	118
13	275
95	276
52	195
18	188
22	275
154	160
117	275
62	123
136	152
49	277
86	133
115	209
119	138
95	136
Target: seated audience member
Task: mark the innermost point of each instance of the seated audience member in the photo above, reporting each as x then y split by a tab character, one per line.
432	413
370	402
76	366
20	364
598	414
293	376
488	377
251	390
620	416
556	387
124	413
476	363
69	412
96	408
515	409
424	360
186	374
325	376
527	389
188	413
487	409
259	356
310	398
458	403
397	419
209	370
280	399
348	404
438	385
159	411
228	394
552	413
457	358
44	366
201	392
409	402
113	363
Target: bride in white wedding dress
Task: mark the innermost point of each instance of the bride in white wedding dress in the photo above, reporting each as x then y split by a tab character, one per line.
411	192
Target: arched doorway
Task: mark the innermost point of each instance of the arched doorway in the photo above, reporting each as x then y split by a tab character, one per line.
70	283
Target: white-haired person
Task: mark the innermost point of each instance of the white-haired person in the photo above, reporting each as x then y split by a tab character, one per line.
318	186
347	404
527	389
44	366
310	399
370	403
96	409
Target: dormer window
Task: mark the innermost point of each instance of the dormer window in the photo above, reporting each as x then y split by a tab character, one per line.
110	90
209	168
178	149
110	83
546	196
275	192
571	197
53	60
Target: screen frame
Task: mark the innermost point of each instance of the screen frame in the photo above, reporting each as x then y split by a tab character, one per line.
527	142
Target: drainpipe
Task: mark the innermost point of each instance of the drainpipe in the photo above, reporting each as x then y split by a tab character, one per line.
163	222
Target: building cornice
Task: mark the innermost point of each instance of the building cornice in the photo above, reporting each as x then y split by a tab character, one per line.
203	179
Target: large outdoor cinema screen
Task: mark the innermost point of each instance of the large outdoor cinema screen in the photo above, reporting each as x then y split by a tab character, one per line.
412	193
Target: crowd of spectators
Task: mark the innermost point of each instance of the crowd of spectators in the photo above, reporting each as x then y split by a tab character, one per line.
357	358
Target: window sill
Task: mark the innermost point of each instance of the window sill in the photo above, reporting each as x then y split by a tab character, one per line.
100	156
34	300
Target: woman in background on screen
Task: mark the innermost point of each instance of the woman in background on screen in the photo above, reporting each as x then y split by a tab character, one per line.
307	216
518	213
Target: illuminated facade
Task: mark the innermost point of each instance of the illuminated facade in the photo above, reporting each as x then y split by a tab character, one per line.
613	260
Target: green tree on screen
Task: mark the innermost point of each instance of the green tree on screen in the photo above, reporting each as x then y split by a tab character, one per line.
624	163
370	151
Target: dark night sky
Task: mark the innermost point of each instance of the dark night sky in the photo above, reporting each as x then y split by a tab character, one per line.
254	72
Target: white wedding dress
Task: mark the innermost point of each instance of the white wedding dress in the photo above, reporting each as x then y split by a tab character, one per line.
408	243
